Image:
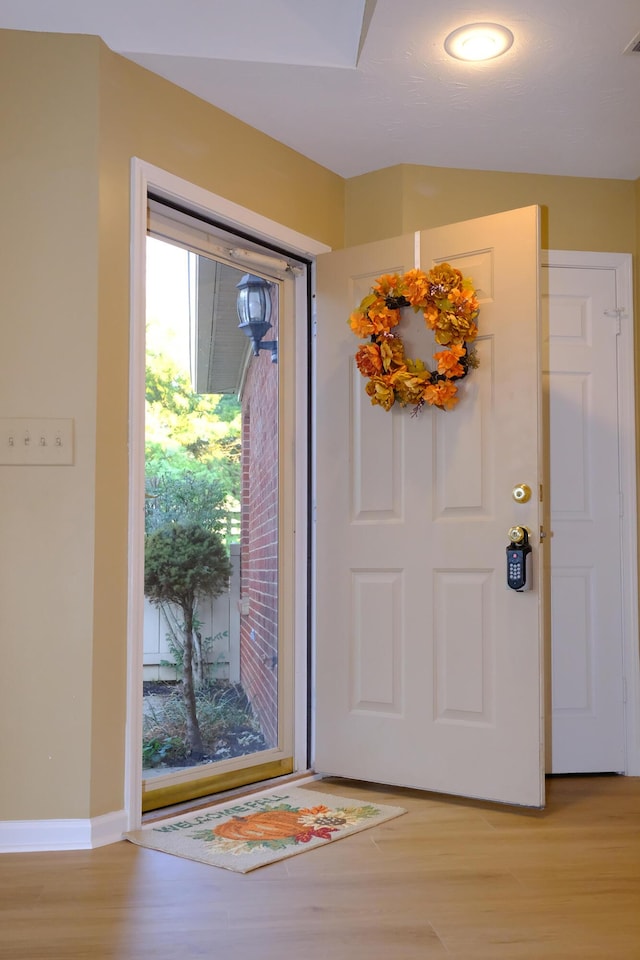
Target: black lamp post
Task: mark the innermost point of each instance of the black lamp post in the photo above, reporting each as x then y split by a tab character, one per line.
254	312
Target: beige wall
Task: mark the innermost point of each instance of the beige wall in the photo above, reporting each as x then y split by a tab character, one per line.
73	114
577	213
48	357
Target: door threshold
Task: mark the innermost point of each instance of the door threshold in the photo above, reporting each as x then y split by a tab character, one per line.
304	776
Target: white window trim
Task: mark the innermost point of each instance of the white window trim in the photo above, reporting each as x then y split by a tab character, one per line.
146	178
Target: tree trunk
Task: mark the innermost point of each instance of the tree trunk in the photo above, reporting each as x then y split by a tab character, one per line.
194	736
174	636
199	657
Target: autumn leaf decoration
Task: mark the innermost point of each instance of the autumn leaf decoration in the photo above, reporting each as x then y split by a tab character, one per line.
450	308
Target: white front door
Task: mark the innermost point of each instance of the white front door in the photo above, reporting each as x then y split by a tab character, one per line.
581	377
428	667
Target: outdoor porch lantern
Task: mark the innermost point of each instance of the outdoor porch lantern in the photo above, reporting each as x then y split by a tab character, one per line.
254	312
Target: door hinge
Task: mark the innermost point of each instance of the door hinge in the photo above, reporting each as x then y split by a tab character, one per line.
616	312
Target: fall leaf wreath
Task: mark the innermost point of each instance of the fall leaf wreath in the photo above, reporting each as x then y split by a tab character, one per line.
450	308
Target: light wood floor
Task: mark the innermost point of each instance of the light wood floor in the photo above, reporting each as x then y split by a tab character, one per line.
451	879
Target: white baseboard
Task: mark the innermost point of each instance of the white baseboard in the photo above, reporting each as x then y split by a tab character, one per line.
27	836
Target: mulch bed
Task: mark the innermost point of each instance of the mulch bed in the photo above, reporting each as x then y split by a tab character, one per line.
233	743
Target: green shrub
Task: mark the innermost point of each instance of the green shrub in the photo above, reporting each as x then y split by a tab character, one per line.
226	723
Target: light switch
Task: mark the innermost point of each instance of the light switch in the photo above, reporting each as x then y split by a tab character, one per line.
36	441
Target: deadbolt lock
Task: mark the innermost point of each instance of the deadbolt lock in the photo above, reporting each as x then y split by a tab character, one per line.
522	493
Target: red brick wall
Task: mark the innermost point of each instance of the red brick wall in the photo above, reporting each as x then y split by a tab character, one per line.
259	542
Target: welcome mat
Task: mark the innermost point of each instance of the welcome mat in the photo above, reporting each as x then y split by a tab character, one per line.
263	828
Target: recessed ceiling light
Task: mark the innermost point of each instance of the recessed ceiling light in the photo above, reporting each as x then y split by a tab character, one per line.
478	41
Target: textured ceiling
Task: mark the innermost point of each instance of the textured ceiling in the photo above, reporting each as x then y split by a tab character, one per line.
358	85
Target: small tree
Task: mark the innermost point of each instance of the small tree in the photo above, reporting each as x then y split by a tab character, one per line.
184	496
182	561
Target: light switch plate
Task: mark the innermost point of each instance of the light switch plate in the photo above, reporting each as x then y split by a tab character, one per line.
40	441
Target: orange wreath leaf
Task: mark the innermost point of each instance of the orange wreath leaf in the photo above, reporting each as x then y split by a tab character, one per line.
449	305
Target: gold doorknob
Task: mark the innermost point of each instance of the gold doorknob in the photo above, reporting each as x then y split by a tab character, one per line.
521	493
516	534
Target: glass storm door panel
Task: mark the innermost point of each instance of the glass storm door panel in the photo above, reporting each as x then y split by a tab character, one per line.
212	714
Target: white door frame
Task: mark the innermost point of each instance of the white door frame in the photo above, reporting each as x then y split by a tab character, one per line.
621	264
144	178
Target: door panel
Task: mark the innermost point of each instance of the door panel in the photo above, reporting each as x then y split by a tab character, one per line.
586	575
428	666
